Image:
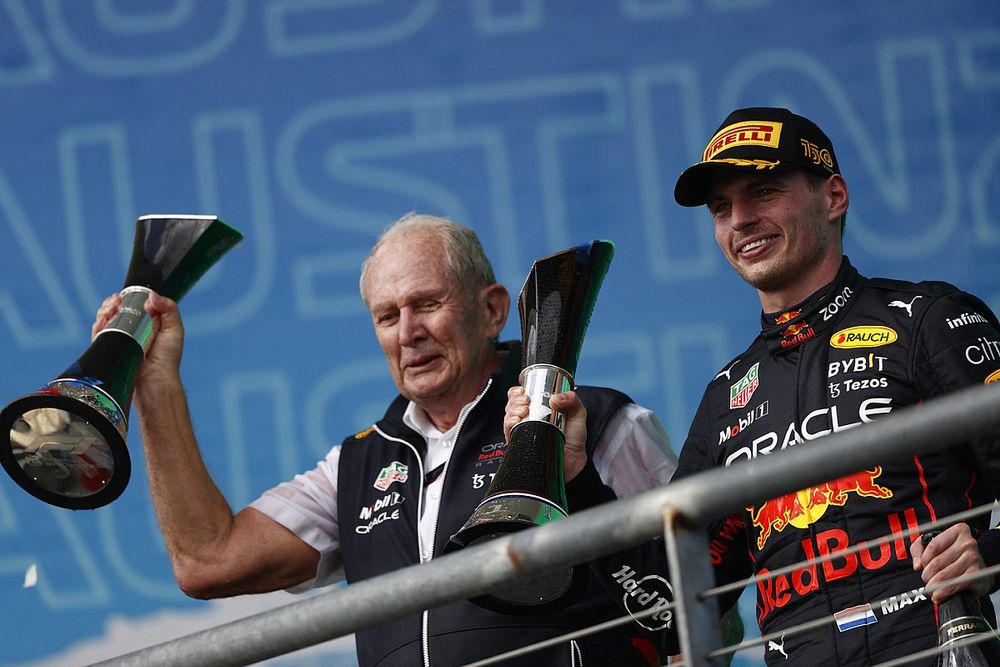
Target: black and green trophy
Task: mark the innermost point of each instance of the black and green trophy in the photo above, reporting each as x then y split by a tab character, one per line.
529	488
67	441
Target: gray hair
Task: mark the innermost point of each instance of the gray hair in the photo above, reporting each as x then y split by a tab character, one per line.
463	252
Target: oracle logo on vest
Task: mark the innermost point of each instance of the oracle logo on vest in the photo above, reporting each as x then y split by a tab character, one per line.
379	511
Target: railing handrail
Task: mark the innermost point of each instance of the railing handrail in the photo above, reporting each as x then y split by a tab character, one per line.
930	426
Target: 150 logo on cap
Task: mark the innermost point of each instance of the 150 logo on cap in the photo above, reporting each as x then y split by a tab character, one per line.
819	156
747	133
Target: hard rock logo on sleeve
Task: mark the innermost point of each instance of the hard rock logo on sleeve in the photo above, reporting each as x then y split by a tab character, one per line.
647	598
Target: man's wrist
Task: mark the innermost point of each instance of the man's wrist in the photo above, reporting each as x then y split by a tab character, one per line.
587	490
573	466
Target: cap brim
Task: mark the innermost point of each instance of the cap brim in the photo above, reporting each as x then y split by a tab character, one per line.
692	185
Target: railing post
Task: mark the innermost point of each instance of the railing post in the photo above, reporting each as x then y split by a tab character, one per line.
698	624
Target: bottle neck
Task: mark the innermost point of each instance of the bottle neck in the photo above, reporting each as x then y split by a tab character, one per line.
959	618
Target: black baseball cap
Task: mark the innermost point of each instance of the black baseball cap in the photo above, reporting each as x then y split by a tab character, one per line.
758	139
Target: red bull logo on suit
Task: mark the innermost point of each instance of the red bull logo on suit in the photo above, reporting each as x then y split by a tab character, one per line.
804	507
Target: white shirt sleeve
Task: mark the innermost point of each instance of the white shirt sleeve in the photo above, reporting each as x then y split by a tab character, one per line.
634	453
307	506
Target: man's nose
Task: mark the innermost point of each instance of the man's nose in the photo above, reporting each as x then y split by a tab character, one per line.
410	327
741	213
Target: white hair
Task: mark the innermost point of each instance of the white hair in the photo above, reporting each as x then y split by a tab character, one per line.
463	253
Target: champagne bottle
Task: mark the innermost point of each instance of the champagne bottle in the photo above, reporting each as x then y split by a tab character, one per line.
960	619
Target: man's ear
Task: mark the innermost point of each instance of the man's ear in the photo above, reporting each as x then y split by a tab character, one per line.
497	305
837	196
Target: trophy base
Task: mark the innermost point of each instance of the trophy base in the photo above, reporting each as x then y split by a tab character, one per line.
66	445
545	593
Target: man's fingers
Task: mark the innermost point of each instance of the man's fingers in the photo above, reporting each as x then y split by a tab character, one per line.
948	573
916	553
950	555
159	305
517	409
105	312
565	402
516	391
509	421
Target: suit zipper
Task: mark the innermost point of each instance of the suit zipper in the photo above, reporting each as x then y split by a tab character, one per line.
420	506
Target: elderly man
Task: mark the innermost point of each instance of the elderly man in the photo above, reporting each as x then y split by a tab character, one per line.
836	349
393	494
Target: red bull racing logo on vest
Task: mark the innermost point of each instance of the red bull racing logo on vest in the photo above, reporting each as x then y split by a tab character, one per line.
742	390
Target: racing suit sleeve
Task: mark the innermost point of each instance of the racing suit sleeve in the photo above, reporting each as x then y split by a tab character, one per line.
727	536
958	345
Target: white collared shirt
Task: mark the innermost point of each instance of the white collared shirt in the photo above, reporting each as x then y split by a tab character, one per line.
439	447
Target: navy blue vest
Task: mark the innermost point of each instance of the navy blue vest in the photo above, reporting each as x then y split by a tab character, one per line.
380	485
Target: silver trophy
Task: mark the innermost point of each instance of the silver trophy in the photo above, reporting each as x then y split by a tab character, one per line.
67	441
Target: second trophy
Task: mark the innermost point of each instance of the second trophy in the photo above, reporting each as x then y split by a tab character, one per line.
529	488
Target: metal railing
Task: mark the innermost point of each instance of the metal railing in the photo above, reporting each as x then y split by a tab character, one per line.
679	510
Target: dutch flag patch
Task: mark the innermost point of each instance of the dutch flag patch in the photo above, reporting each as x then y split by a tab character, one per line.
855	617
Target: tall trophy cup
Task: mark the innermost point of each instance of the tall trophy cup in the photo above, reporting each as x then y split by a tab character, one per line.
66	442
529	488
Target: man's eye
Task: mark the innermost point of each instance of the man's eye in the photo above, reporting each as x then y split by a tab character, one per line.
385	318
721	207
425	306
764	192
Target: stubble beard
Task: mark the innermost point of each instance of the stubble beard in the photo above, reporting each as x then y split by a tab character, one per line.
779	273
766	278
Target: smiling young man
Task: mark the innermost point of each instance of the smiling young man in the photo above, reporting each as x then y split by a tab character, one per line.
392	495
835	350
780	232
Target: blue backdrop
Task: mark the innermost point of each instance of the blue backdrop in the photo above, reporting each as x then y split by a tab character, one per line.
311	124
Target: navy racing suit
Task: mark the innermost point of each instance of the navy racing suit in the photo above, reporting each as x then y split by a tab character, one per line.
854	351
